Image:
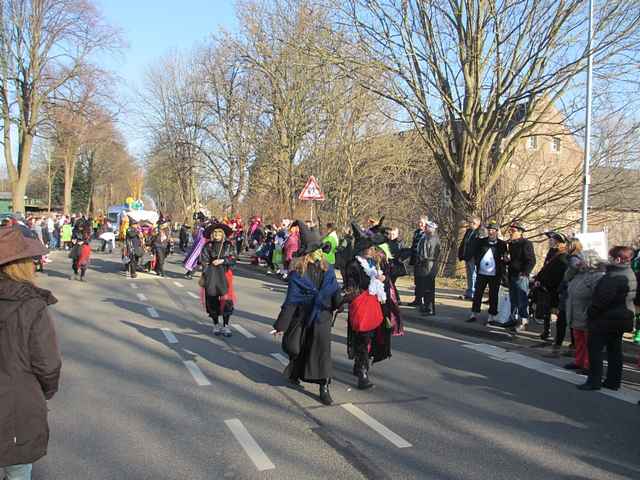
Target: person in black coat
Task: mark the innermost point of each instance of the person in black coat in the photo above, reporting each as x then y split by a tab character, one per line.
465	254
368	336
184	236
521	260
489	254
426	269
133	249
305	319
549	279
160	245
417	235
609	316
217	259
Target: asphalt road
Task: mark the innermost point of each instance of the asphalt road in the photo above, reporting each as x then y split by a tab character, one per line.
148	392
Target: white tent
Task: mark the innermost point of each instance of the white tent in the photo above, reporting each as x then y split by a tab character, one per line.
143	215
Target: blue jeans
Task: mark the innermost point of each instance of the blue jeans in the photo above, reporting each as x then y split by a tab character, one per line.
471	278
519	297
18	472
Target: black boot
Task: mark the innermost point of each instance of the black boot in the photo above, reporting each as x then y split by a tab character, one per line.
363	373
325	396
363	380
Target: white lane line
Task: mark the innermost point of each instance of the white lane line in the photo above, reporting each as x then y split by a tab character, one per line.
243	331
432	334
142	297
250	446
153	312
168	334
502	355
191	294
196	373
134	286
394	438
178	284
281	358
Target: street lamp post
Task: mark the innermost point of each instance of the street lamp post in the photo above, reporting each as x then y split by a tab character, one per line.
587	143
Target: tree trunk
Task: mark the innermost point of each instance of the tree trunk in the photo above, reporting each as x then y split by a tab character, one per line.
69	171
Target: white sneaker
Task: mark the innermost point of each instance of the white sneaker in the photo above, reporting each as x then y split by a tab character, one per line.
217	330
226	331
523	325
490	319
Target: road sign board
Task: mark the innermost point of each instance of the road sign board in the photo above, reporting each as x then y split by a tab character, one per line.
311	190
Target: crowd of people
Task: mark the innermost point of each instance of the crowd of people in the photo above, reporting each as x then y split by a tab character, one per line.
595	299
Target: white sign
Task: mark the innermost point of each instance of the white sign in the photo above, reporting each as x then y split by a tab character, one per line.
595	241
311	190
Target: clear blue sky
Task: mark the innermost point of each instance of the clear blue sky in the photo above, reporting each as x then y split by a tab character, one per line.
154	27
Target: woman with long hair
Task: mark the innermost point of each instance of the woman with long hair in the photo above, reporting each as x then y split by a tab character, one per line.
29	357
306	315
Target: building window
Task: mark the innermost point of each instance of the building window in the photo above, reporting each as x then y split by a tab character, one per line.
555	145
532	143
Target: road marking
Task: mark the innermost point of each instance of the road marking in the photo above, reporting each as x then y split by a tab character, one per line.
168	334
243	331
394	438
178	284
250	446
153	312
134	286
191	294
432	334
142	297
502	355
281	358
196	373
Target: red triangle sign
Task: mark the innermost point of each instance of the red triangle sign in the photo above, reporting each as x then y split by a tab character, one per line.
311	190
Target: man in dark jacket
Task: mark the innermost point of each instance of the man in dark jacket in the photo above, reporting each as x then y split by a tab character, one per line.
548	281
417	235
609	316
465	252
489	253
29	358
521	259
426	269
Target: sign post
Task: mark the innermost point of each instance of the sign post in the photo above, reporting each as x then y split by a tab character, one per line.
311	192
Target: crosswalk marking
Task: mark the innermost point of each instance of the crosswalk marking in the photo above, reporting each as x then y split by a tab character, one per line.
142	297
243	331
171	338
281	358
134	286
153	312
196	373
178	284
250	446
394	438
193	295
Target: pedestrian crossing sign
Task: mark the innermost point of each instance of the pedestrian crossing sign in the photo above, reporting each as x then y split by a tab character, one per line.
311	190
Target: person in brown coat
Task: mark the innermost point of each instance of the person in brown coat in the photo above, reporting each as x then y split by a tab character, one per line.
29	356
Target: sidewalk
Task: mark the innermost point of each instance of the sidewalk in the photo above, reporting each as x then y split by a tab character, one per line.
451	313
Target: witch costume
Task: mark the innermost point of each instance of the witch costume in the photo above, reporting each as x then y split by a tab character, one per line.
368	331
217	280
306	317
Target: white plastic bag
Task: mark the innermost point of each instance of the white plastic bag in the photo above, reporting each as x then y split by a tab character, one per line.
504	306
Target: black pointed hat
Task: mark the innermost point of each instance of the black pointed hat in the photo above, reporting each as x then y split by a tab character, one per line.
310	239
217	226
362	241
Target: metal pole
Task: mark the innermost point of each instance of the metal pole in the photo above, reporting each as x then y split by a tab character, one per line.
587	143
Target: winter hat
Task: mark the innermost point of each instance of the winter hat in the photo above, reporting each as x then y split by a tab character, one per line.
493	225
557	236
432	225
518	226
18	242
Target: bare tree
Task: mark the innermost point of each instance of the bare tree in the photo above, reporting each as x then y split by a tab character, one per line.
476	76
44	44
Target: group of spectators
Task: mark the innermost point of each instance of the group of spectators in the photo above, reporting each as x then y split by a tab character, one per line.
596	299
